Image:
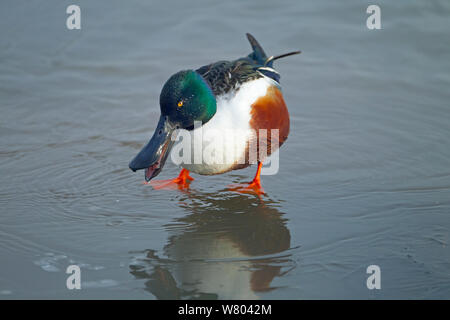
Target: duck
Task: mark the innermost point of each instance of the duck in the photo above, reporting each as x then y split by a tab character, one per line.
226	115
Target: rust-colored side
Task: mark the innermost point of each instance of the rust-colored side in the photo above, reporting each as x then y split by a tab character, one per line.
270	112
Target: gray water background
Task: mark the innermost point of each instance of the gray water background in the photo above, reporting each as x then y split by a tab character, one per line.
364	176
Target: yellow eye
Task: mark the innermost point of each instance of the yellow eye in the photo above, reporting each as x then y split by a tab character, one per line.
180	104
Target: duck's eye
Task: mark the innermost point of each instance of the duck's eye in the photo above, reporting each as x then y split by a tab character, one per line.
180	103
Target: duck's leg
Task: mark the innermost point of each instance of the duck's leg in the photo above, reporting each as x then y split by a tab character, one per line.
252	187
180	182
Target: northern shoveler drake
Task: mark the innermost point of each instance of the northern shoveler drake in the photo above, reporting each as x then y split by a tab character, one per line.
232	99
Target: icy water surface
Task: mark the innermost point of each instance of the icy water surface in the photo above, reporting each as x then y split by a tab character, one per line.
364	177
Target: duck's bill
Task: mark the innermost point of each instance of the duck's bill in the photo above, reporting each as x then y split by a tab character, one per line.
154	155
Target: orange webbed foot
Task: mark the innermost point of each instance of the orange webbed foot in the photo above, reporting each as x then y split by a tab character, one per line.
179	183
252	187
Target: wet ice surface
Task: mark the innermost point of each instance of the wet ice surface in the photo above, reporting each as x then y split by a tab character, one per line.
364	176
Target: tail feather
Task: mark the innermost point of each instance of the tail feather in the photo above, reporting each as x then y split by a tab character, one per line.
258	53
269	61
260	56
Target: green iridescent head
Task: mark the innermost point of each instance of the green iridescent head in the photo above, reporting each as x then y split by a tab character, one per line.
185	98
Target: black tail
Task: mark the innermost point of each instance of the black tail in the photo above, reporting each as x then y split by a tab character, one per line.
259	55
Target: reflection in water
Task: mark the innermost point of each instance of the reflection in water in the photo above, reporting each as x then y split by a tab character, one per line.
229	247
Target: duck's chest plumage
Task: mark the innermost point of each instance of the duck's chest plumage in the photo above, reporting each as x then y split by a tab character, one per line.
225	140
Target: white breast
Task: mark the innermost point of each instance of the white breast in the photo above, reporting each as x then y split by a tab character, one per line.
223	140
